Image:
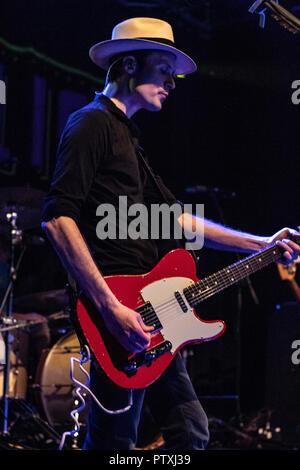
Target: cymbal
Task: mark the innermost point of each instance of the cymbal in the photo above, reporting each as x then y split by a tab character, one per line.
42	302
26	202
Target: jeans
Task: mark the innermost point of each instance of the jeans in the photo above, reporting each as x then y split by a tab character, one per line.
173	404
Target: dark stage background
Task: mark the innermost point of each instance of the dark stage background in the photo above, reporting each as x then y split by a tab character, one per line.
231	125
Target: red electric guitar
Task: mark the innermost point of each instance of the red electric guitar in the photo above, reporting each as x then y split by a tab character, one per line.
166	298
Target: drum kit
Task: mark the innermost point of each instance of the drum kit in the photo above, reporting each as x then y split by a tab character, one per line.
37	338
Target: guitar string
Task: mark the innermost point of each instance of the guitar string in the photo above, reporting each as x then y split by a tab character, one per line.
169	314
225	273
153	313
222	276
164	315
238	268
207	280
234	270
194	298
160	312
224	281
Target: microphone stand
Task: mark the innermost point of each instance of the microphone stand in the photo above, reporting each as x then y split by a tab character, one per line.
16	238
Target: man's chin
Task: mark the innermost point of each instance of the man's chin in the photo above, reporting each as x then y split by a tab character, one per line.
154	106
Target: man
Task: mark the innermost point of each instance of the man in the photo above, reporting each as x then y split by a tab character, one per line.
98	162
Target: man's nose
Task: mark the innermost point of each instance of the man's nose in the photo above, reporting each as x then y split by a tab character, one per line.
171	82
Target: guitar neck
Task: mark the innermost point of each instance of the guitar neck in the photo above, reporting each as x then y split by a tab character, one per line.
230	275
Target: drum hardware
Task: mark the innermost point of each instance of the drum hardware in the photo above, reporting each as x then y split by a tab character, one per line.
15	239
19	387
52	385
27	429
7	321
26	202
20	215
13	324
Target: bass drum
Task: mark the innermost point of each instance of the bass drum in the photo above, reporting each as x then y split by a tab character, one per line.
55	390
18	376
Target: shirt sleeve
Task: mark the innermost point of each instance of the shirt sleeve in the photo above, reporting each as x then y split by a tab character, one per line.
82	146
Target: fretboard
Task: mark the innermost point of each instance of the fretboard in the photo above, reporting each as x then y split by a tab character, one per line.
230	275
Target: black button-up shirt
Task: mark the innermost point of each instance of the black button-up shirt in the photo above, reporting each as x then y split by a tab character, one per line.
97	163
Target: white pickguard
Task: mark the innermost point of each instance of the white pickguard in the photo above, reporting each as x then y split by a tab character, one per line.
178	327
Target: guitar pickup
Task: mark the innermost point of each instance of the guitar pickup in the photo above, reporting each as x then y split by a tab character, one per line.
181	302
146	358
149	316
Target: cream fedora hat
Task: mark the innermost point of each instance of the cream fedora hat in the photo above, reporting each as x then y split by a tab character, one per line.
138	34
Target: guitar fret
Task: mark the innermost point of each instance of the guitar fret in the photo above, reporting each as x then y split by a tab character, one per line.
218	281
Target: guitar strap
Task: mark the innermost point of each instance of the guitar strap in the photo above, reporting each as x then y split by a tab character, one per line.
140	152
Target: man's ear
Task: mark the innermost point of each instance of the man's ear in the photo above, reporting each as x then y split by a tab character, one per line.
130	64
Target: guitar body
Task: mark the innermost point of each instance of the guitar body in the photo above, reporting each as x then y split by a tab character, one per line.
161	289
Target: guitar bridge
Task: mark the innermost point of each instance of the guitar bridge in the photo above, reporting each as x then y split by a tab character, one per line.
146	358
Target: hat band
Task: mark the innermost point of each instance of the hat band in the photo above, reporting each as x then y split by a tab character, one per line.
168	42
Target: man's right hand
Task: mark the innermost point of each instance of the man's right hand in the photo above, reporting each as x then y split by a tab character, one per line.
127	326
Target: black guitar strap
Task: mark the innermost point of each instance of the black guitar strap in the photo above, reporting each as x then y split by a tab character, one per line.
140	153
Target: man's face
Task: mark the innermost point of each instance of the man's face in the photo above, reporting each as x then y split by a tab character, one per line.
154	82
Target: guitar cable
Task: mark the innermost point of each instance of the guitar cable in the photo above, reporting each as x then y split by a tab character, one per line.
85	357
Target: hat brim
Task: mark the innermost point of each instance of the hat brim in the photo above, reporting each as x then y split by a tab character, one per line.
102	52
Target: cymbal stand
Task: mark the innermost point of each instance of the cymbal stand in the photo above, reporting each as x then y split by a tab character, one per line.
16	239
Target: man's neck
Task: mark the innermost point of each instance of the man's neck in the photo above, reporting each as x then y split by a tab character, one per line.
124	101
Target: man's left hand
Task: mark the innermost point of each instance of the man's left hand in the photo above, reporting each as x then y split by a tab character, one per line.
291	248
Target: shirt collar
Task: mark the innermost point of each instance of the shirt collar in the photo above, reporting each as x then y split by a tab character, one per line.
111	107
